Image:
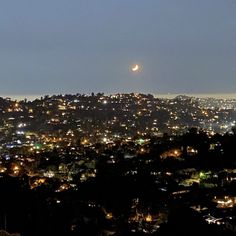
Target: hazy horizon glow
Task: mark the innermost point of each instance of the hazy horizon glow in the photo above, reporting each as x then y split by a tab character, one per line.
225	96
83	46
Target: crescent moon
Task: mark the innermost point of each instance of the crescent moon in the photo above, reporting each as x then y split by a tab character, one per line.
135	67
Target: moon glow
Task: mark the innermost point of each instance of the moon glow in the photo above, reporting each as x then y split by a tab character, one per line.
135	68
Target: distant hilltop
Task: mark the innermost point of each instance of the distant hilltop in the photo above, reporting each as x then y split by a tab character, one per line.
4	233
182	97
227	96
31	97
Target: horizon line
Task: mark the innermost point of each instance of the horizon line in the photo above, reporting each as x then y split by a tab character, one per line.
32	97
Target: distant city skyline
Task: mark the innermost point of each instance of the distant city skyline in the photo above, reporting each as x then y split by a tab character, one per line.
84	46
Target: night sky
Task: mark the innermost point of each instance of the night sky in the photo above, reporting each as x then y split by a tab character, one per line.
83	46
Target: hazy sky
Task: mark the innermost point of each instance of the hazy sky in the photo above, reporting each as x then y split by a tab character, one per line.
70	46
